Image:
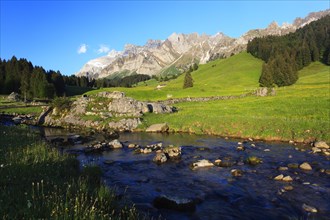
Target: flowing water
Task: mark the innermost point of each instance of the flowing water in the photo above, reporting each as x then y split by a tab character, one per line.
218	195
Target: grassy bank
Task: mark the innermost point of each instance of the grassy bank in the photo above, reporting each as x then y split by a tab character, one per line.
299	112
36	182
10	107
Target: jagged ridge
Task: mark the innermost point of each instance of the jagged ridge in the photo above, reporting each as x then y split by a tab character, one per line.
181	50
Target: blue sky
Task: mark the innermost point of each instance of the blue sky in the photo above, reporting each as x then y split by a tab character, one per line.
64	35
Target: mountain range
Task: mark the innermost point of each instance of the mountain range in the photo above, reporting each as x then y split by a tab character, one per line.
179	51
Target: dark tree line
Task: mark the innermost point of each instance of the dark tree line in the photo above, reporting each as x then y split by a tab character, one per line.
30	81
35	82
127	81
285	55
83	81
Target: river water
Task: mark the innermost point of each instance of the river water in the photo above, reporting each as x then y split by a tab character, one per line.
218	195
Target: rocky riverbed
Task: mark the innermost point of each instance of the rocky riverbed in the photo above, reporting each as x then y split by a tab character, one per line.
181	176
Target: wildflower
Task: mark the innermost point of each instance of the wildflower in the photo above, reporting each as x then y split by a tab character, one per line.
2	165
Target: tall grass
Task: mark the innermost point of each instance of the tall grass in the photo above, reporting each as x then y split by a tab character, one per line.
37	182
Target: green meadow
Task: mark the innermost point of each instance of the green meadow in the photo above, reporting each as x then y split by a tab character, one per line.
299	112
234	76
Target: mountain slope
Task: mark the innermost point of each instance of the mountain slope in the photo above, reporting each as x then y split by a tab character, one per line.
299	112
181	50
235	75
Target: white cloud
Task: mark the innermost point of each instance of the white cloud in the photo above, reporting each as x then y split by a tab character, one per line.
103	49
82	49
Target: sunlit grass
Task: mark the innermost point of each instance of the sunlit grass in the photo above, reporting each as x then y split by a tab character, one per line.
37	182
233	76
300	112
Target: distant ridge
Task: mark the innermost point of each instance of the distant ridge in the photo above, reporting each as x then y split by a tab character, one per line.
179	51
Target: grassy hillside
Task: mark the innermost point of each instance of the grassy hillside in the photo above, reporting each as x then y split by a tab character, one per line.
233	76
299	112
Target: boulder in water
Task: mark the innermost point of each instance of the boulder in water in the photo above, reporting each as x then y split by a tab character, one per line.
253	160
305	166
321	145
202	163
160	158
309	208
279	177
181	205
115	144
236	172
287	179
172	151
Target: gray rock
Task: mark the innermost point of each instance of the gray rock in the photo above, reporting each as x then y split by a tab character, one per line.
316	150
309	208
288	188
133	146
217	162
253	160
146	150
125	112
17	120
287	179
202	163
126	106
283	168
226	162
13	97
158	128
240	148
159	108
279	177
115	144
160	158
125	124
264	91
236	172
305	166
321	145
172	151
112	95
177	204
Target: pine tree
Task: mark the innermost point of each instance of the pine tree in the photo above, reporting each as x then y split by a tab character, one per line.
25	83
266	78
188	80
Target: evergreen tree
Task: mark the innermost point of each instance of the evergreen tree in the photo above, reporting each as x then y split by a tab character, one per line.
292	52
25	84
188	80
266	78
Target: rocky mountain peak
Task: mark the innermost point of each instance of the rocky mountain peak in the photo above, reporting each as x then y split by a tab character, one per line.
181	50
